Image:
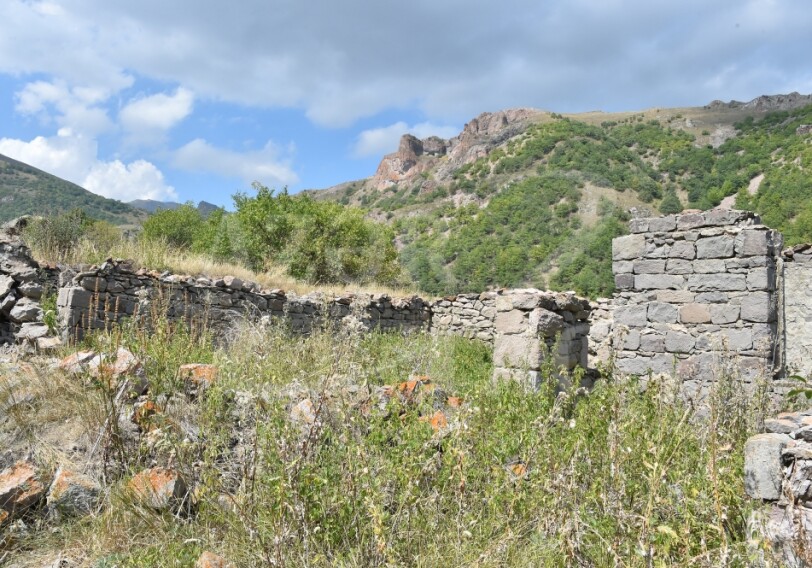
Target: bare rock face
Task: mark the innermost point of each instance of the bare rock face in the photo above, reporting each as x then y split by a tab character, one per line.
765	103
478	138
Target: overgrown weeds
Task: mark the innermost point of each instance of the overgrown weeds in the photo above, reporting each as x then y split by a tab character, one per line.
621	476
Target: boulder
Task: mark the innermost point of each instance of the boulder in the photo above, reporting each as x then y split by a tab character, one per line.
22	486
211	560
160	488
72	494
762	466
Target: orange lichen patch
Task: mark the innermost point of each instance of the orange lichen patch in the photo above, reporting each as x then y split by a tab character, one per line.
159	488
77	362
143	415
198	374
72	492
454	401
437	421
21	487
518	469
3	517
408	388
211	560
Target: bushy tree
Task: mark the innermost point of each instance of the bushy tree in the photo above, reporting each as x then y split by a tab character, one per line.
179	227
318	241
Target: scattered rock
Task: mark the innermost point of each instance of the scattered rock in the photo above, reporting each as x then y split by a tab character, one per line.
160	488
72	494
198	376
211	560
303	412
22	486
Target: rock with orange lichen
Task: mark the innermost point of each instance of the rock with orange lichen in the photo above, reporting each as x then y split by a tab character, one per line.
211	560
22	486
197	376
160	488
437	421
144	414
303	412
72	494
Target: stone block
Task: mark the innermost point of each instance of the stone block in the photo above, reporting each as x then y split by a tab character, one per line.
517	351
757	307
93	284
716	282
632	316
762	466
737	339
624	281
761	278
648	266
690	221
652	343
545	322
675	296
642	365
754	242
628	247
658	281
74	298
722	314
638	225
662	224
682	249
524	300
631	342
715	247
511	322
622	267
694	313
660	312
709	266
656	250
679	266
712	298
678	342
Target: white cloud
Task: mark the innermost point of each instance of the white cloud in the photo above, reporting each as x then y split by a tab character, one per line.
137	180
147	119
265	165
74	157
75	108
563	55
377	141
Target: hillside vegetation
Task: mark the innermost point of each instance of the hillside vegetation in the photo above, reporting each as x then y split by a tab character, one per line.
26	190
542	207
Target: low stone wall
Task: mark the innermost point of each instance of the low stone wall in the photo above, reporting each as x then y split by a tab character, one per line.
695	292
778	472
98	298
523	326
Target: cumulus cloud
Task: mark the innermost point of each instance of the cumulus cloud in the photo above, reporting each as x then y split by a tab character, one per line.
74	157
265	166
137	180
77	108
564	55
147	119
377	141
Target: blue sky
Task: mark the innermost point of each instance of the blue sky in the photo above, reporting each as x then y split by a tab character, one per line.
187	100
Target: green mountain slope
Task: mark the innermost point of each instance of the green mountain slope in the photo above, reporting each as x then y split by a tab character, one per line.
540	205
26	190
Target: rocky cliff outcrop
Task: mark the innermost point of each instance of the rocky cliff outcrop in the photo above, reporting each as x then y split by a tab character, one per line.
766	103
477	139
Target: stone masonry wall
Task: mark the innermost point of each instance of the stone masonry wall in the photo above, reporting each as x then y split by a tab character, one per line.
521	325
796	323
695	291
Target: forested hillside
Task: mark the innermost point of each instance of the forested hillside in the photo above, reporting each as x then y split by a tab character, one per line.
26	190
542	207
